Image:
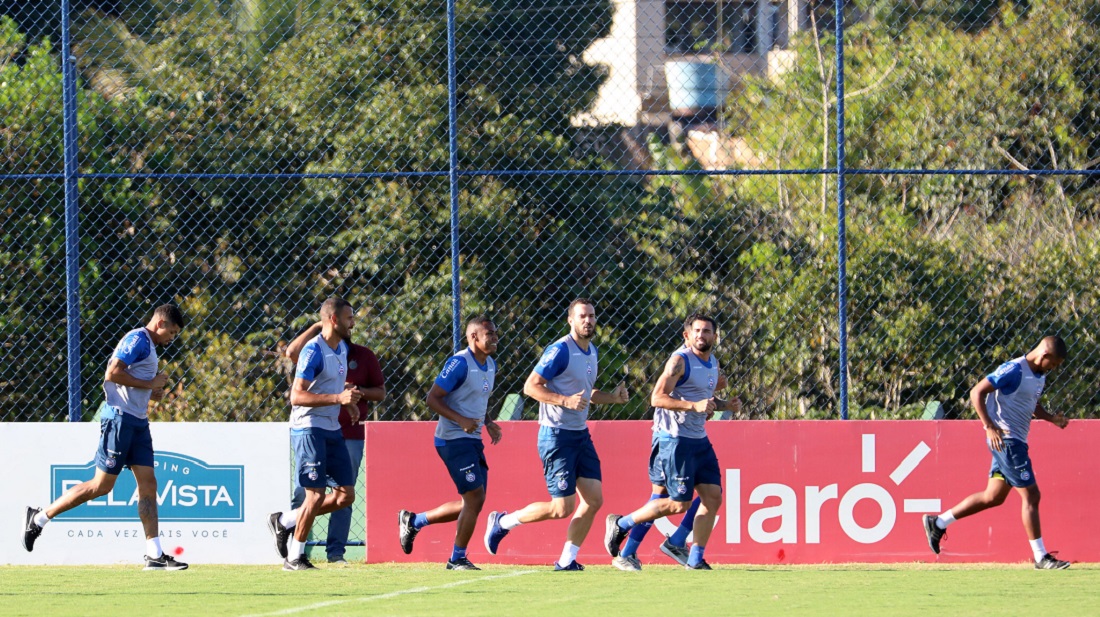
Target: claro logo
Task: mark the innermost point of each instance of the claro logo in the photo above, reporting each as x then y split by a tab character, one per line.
188	490
814	497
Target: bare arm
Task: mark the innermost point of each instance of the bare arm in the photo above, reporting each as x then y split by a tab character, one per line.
439	406
295	347
377	393
662	392
732	404
116	373
618	396
536	389
1041	413
302	397
977	400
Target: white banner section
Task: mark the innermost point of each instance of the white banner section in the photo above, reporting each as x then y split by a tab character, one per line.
216	484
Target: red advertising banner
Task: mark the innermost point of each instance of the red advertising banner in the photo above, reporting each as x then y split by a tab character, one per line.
795	492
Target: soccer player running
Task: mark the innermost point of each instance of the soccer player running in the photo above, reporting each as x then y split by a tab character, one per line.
460	396
1005	402
365	373
683	399
131	381
319	390
563	383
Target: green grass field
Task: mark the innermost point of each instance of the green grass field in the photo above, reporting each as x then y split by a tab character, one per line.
428	589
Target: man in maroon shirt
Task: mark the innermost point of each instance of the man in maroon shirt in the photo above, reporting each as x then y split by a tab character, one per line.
364	372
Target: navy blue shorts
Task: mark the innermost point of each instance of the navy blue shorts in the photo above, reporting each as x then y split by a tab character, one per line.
687	463
124	441
656	472
1013	464
465	461
567	455
319	454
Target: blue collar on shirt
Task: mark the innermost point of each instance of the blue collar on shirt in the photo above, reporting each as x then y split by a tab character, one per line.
483	367
586	352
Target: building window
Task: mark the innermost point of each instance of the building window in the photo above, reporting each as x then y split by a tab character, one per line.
694	26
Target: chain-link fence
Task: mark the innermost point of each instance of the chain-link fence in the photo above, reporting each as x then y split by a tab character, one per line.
247	158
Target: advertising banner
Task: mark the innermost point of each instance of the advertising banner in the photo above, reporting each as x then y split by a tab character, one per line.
216	484
794	492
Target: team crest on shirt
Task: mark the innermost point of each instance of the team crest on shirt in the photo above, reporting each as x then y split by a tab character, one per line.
470	477
485	385
589	368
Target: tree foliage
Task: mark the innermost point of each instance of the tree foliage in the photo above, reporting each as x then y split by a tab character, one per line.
949	274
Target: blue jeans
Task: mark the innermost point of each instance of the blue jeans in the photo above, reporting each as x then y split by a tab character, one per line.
339	522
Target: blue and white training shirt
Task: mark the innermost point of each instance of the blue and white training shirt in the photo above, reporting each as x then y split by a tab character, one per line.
326	370
468	386
139	353
568	370
1013	402
696	384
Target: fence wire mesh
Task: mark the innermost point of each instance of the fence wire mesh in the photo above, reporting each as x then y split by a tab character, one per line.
246	159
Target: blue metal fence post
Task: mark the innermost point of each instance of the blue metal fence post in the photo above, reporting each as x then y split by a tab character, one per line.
842	230
452	132
72	218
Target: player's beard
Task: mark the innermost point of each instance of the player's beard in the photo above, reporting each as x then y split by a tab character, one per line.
587	331
703	346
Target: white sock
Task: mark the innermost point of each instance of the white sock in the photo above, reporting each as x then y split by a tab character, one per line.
296	549
152	548
41	519
945	519
568	554
509	521
289	519
1038	549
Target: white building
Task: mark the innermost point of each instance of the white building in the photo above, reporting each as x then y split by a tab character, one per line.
740	36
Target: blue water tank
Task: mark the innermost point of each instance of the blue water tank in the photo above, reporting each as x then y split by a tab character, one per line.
694	85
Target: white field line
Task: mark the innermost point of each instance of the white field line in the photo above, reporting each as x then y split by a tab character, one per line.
392	594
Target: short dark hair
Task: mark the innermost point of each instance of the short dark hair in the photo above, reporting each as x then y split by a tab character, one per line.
697	316
332	306
1056	346
170	313
479	320
579	301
